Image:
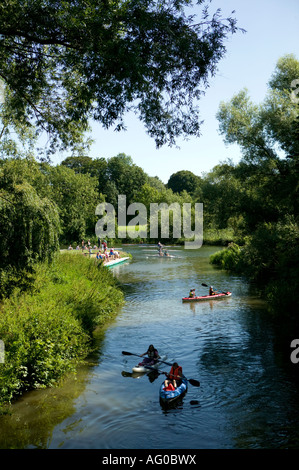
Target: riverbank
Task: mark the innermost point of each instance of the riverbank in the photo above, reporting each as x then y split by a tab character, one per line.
211	237
48	331
232	346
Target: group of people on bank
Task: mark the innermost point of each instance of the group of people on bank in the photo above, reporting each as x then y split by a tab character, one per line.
103	252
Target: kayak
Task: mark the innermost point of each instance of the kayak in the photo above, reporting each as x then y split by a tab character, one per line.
221	295
140	369
169	396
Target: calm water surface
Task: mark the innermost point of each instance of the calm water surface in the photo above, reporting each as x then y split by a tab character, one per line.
248	396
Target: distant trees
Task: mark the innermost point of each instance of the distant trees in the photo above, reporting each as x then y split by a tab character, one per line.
184	180
76	196
116	175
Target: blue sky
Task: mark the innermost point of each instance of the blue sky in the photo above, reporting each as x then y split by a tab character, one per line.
272	31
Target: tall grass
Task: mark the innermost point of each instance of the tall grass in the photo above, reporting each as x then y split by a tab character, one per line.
48	331
228	258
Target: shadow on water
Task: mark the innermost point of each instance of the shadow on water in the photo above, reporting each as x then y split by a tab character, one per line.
152	376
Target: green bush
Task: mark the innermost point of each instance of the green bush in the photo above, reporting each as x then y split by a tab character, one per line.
48	331
228	258
270	257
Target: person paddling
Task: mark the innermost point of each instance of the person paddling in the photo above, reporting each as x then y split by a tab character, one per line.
211	291
152	354
174	376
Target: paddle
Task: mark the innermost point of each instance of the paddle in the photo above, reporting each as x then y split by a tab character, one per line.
205	285
193	382
126	353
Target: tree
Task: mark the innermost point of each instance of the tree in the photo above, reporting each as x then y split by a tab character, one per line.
96	167
17	137
262	130
76	196
268	136
221	194
155	182
126	177
267	179
65	63
29	225
117	175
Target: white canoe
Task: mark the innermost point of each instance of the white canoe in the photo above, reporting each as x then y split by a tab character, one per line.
145	370
115	262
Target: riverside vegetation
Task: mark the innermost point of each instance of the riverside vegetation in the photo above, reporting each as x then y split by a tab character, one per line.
48	329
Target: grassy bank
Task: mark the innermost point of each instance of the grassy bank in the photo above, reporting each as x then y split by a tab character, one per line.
48	331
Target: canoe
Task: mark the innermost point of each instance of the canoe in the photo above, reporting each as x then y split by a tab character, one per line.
167	397
114	262
221	295
145	370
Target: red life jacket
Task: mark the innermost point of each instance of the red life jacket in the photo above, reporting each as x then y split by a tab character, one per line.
175	373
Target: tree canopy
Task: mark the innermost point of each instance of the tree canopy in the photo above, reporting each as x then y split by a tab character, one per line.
66	63
183	180
268	136
262	190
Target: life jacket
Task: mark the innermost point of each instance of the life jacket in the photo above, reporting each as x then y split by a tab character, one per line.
169	388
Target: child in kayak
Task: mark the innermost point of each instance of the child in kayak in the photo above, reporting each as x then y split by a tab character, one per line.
152	358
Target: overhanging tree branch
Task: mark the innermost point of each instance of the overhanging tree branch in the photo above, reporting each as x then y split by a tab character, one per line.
106	58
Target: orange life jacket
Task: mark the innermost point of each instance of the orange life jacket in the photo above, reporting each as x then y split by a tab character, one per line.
176	373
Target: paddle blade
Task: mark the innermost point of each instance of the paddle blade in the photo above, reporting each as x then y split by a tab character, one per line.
194	382
203	284
126	353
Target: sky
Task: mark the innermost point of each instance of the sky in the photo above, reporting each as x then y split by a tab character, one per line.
271	32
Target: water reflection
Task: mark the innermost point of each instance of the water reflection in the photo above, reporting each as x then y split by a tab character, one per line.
248	395
152	376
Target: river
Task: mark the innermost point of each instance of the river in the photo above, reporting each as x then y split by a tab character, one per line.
248	394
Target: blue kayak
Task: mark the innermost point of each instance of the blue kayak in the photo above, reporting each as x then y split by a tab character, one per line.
169	396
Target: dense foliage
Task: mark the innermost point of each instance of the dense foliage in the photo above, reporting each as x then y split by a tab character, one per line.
251	206
48	330
265	186
184	180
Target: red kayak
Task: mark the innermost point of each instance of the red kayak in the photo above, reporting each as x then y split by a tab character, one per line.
221	295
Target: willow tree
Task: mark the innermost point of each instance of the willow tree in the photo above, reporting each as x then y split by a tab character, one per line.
66	63
29	231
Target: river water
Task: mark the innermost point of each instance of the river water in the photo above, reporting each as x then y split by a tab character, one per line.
248	394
